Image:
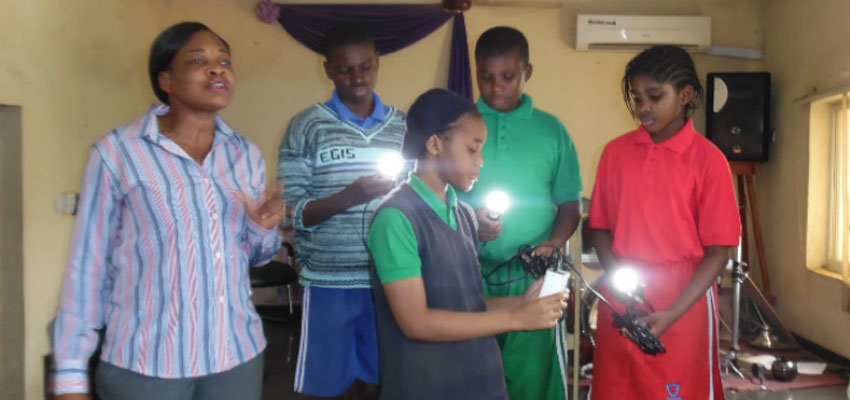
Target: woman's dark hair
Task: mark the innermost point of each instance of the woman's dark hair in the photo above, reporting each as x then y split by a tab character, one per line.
166	46
665	64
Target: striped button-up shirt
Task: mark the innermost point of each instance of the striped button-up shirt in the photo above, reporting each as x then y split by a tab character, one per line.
160	255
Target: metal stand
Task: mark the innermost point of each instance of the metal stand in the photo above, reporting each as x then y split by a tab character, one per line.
744	173
739	275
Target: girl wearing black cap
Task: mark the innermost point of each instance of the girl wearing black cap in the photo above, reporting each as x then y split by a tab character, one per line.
435	327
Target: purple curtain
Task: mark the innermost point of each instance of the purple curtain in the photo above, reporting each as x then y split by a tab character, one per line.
460	74
394	26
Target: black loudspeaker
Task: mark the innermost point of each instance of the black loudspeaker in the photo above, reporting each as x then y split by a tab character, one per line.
737	114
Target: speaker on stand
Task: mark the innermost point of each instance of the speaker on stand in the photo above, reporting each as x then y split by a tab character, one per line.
737	116
738	123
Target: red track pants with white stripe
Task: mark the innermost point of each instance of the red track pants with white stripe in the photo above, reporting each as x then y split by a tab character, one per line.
688	371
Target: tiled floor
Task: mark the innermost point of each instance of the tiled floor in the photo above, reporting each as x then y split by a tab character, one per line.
282	354
825	393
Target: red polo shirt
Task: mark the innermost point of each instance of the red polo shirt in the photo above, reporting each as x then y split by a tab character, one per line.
665	202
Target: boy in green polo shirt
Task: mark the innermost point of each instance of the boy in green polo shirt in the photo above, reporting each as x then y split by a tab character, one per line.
530	156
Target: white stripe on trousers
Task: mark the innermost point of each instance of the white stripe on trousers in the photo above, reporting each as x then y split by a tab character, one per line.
302	347
563	362
711	341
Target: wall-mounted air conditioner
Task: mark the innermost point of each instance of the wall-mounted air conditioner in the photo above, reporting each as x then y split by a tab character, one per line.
637	32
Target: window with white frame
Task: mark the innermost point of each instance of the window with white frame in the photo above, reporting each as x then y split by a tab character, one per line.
838	213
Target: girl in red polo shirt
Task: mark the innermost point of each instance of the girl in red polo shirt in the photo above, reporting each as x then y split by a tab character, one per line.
663	204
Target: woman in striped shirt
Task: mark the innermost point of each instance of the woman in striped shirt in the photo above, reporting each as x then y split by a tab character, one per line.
172	212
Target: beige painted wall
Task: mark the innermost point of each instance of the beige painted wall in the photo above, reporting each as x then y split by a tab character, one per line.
805	47
78	70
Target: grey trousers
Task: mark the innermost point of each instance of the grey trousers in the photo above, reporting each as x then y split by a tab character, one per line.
245	382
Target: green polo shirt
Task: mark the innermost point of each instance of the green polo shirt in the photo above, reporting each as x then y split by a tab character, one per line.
529	155
392	241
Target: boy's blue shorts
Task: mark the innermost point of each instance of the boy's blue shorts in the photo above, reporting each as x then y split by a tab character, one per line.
339	341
